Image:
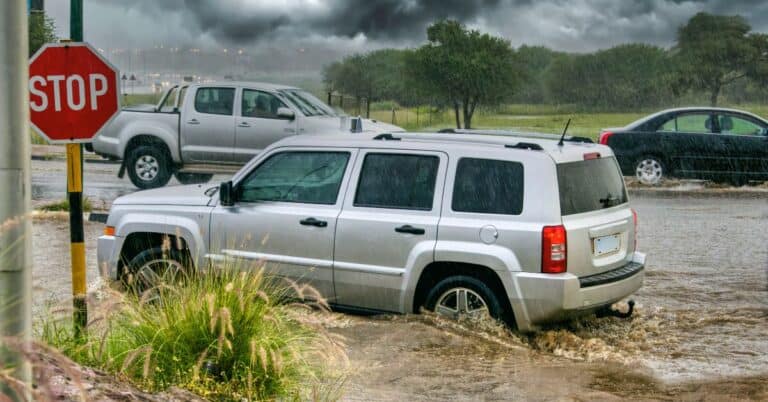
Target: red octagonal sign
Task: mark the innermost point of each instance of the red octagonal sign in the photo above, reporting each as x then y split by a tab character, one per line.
73	92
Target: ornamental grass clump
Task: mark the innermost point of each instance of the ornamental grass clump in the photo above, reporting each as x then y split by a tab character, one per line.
224	334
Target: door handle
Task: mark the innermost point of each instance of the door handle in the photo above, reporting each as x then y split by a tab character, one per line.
313	222
243	124
409	229
193	121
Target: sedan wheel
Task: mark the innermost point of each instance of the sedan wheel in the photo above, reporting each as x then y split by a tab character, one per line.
649	171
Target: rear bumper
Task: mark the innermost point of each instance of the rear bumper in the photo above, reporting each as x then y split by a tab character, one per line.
549	298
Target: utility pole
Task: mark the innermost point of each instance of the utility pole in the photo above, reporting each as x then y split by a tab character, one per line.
75	196
15	226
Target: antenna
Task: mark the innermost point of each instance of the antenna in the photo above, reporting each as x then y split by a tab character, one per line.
565	130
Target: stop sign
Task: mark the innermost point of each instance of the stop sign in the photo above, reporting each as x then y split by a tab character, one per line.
73	92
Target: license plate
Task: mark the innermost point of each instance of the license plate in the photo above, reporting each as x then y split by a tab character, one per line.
606	244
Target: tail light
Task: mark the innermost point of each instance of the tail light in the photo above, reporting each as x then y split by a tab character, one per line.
604	136
554	253
634	219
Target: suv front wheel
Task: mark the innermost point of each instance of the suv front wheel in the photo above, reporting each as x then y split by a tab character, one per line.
154	267
462	296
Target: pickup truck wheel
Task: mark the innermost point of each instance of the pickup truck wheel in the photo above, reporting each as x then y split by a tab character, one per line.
149	166
463	296
154	267
192	178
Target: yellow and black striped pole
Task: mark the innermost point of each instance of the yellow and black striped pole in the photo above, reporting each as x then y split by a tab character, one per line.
76	233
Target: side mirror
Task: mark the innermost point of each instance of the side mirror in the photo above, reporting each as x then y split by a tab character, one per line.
226	194
285	113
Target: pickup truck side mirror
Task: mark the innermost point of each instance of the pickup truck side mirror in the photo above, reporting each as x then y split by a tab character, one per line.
285	113
226	194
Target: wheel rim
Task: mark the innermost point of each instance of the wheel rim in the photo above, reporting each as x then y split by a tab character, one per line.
461	302
155	272
147	167
649	171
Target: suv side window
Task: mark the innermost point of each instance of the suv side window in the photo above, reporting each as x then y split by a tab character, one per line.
296	176
689	123
730	124
260	104
488	186
400	181
215	100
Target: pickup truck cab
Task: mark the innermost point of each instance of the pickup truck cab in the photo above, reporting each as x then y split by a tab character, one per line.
524	229
197	130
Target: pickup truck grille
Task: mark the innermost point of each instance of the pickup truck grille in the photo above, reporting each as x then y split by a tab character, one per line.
611	276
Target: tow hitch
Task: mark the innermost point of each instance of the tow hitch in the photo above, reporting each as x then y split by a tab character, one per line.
609	312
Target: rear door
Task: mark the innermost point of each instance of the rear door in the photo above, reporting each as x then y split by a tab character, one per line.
691	145
746	144
258	124
208	125
596	215
388	220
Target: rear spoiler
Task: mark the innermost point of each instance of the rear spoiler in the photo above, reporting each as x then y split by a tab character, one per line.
502	133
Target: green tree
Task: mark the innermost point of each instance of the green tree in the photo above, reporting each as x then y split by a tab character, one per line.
714	51
464	67
42	30
534	61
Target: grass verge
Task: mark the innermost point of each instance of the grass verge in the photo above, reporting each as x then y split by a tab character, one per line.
63	206
224	335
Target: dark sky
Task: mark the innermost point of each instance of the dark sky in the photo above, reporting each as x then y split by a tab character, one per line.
353	25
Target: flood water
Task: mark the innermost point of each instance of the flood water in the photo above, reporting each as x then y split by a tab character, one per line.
700	330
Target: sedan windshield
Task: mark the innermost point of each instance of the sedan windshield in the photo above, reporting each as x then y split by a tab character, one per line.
307	103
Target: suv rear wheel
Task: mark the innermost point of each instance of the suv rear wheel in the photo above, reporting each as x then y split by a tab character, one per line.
149	166
650	170
464	296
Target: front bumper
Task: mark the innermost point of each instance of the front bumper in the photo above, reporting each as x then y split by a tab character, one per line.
108	254
549	298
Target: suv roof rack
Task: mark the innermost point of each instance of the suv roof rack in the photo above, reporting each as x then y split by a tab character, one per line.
525	145
501	133
386	137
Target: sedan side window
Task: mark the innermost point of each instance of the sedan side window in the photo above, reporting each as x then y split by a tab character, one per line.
215	100
303	177
730	124
399	181
260	104
688	123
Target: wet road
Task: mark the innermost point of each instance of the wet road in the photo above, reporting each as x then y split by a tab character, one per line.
700	331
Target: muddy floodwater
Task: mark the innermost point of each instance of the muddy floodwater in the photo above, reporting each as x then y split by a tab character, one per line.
700	331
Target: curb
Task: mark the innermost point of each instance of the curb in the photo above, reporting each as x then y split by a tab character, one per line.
703	192
85	160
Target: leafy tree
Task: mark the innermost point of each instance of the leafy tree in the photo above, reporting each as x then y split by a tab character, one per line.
42	30
714	51
624	77
465	67
533	63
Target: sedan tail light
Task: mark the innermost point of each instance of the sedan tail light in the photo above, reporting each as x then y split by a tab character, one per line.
554	254
604	136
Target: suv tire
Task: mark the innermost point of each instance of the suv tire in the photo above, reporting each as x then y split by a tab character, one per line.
192	178
153	267
149	166
464	295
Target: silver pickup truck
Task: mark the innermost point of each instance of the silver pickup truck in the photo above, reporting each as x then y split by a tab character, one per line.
197	130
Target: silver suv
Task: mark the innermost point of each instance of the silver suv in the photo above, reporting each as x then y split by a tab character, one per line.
524	229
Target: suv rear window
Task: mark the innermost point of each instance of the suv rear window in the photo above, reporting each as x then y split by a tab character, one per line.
590	185
488	186
397	181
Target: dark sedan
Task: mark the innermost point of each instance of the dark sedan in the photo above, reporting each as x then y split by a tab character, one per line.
722	145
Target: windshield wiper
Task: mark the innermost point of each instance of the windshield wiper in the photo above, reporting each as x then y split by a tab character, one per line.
609	201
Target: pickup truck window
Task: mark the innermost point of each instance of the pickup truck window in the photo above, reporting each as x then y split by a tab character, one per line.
260	104
397	181
307	103
303	177
488	187
215	100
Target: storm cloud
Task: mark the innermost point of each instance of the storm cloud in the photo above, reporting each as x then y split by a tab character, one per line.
570	25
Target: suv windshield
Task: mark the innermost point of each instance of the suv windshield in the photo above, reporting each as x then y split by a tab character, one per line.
590	185
307	103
